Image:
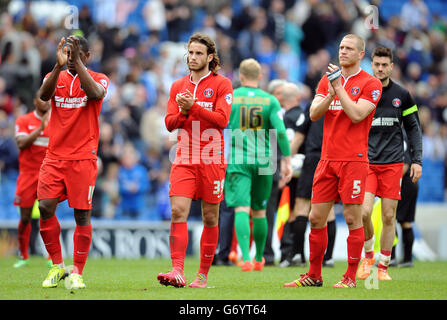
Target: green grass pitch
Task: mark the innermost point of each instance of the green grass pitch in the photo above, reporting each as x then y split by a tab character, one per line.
112	279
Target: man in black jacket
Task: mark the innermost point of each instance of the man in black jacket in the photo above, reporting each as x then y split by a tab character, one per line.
386	155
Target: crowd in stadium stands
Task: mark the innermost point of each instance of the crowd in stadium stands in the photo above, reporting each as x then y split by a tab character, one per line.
140	46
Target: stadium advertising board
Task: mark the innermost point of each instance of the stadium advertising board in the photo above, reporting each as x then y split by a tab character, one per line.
121	240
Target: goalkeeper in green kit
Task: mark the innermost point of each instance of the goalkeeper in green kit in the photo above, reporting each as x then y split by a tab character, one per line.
256	128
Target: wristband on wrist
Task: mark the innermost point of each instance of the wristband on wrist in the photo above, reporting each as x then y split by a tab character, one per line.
334	75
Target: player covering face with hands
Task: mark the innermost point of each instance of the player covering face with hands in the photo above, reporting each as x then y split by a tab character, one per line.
70	165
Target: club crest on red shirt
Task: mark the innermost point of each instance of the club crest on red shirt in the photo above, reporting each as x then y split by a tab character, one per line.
355	90
208	92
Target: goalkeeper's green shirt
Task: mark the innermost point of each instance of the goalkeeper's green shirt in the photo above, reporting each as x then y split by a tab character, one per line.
255	118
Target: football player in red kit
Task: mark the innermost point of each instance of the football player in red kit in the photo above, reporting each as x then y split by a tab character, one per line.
347	98
199	107
31	135
70	166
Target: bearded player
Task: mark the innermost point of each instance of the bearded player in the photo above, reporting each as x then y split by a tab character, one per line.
199	107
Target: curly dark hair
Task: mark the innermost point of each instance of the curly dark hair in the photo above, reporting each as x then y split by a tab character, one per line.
214	64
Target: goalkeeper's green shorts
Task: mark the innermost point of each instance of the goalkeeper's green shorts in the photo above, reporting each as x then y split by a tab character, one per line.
245	187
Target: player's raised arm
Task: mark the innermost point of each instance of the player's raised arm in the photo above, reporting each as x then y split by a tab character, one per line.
323	98
25	140
77	57
48	87
174	118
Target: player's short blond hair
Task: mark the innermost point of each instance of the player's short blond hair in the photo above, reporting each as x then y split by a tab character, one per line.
250	69
359	40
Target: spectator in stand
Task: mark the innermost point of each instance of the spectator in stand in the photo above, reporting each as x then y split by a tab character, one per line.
250	40
133	184
414	14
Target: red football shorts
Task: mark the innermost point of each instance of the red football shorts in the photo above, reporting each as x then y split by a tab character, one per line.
339	180
68	179
198	181
26	190
385	180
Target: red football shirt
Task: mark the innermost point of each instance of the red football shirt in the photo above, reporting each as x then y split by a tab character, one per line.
30	159
344	140
206	119
74	128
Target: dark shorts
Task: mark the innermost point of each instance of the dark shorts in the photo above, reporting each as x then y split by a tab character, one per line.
406	207
304	185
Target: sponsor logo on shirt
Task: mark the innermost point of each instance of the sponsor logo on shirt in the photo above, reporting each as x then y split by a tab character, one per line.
384	121
70	103
41	141
206	105
335	105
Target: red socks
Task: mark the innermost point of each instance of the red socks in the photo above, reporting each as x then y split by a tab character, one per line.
355	241
82	239
208	244
178	242
24	231
50	231
317	246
